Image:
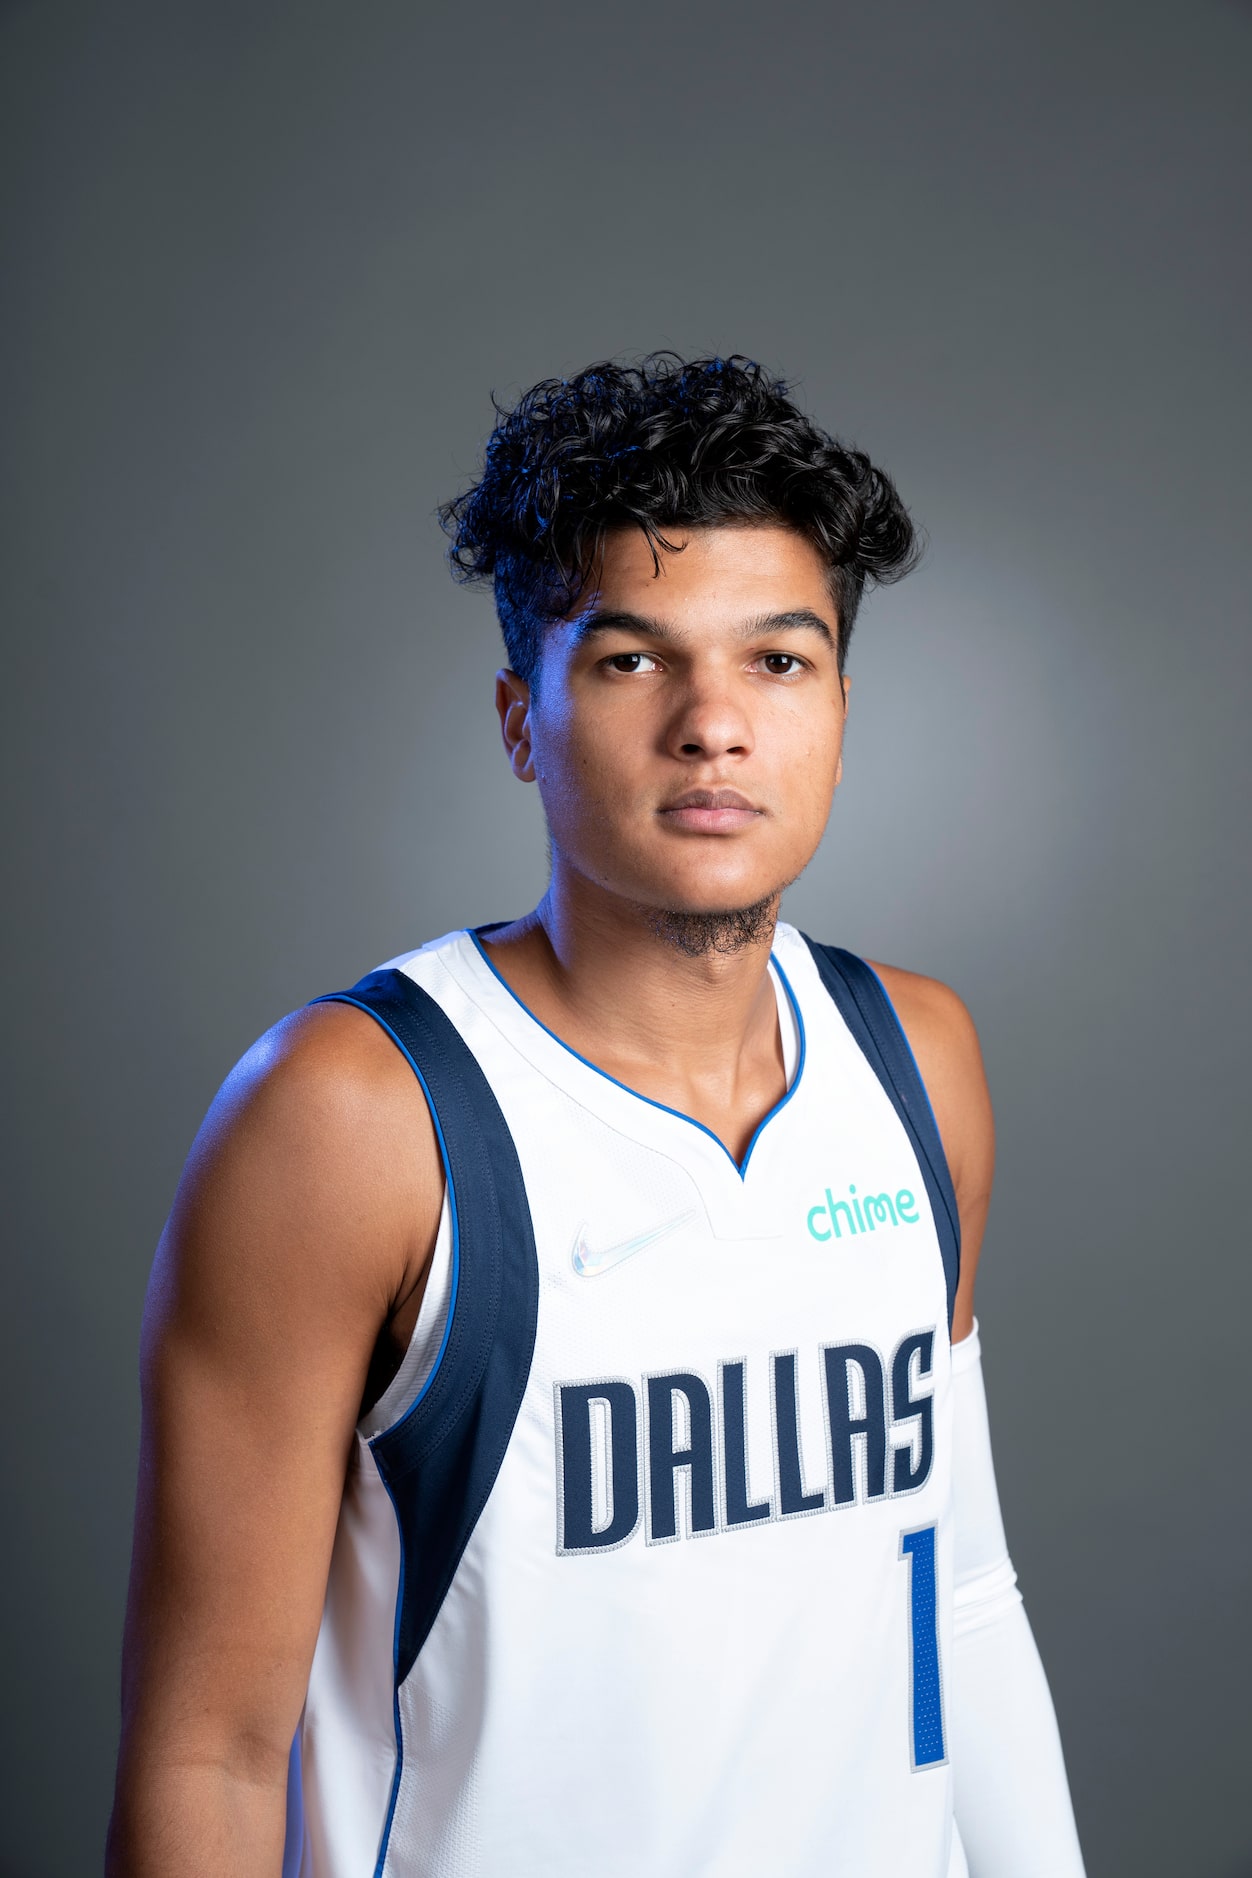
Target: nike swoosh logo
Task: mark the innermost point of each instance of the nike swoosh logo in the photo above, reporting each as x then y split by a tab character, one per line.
591	1264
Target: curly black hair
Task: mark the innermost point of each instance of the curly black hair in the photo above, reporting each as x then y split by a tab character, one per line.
661	445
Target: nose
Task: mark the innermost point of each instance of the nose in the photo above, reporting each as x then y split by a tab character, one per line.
710	721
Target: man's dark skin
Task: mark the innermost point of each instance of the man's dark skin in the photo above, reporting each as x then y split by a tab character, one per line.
289	1278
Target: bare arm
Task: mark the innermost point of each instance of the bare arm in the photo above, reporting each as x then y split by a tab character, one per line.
302	1229
943	1039
1012	1798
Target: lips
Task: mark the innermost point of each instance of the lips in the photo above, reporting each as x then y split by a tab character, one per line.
710	811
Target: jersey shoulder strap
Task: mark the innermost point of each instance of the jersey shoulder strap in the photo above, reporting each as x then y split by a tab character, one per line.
440	1461
869	1014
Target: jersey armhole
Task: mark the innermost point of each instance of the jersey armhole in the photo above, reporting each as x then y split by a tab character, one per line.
417	1366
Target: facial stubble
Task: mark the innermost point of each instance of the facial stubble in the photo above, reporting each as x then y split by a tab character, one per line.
701	935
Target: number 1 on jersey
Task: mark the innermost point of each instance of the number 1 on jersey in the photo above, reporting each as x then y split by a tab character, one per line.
925	1688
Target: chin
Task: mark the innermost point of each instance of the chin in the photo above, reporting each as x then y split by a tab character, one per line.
726	893
720	880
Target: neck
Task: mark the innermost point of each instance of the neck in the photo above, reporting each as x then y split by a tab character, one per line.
600	972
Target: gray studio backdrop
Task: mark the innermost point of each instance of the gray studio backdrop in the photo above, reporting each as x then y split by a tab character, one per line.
264	265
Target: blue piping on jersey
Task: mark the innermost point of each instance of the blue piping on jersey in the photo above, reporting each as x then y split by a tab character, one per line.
904	1038
793	1085
294	1836
930	1110
740	1167
396	1723
342	998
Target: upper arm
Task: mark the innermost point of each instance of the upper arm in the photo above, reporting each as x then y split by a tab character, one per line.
942	1037
307	1211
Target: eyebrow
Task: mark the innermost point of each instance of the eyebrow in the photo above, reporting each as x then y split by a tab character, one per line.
801	619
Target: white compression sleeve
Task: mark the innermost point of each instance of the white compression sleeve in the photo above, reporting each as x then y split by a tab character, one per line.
1013	1807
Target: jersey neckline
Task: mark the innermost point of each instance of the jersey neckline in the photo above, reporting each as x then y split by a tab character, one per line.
741	1167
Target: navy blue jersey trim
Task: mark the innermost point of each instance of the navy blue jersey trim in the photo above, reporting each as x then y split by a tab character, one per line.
440	1461
869	1014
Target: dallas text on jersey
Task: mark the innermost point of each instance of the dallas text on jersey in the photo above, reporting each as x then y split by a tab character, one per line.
689	1473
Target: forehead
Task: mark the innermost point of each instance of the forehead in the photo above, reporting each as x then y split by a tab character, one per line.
746	568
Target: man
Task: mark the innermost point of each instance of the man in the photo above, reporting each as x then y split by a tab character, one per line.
562	1412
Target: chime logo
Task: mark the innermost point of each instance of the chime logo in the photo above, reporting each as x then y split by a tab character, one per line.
861	1213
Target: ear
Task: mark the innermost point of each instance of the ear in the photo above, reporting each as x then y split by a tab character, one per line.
846	684
513	709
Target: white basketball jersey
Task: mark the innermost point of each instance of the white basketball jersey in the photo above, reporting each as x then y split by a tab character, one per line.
644	1557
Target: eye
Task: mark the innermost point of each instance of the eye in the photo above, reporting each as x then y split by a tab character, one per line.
629	662
782	664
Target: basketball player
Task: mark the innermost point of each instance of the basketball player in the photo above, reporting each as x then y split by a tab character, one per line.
564	1447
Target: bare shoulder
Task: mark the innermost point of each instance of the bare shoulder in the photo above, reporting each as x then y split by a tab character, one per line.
325	1079
936	1022
944	1041
316	1171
